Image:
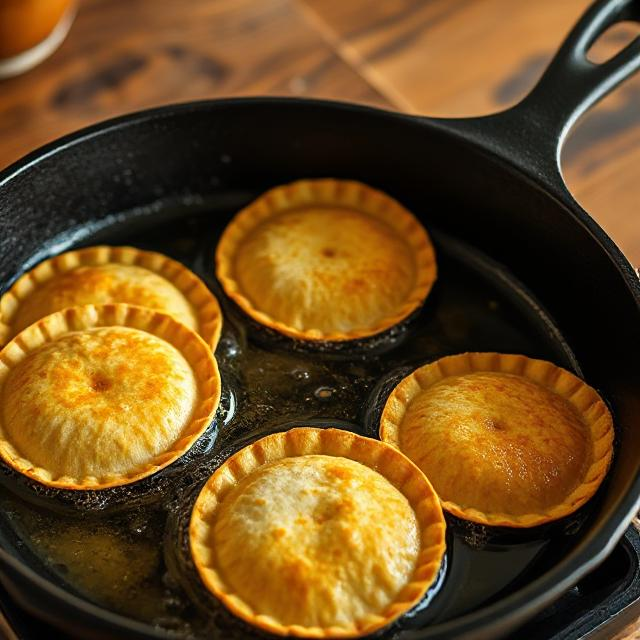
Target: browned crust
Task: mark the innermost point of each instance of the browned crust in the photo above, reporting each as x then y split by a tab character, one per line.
581	396
327	192
387	461
190	344
196	293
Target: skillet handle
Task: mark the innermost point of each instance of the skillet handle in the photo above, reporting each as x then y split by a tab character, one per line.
572	83
531	134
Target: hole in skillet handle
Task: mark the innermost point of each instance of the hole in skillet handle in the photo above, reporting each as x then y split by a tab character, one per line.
613	41
182	575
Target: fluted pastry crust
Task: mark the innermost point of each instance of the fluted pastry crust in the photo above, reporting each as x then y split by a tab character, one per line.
506	440
327	260
107	275
99	396
318	533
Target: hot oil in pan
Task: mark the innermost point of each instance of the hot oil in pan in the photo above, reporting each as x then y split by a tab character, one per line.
112	551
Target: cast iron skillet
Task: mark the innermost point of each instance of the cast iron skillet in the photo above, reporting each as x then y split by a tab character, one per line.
493	182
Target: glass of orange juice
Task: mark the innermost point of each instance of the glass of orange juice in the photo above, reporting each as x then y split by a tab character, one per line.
30	31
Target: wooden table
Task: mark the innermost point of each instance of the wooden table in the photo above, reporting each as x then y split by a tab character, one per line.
435	57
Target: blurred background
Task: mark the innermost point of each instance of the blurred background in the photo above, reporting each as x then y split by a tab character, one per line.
433	57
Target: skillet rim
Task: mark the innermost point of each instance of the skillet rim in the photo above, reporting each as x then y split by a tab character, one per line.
507	613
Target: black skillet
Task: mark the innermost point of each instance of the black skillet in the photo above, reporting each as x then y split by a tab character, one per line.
491	183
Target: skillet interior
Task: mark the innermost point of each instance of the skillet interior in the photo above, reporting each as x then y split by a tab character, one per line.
217	151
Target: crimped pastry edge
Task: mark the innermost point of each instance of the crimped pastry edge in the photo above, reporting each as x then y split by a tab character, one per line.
197	294
186	341
327	192
300	441
584	399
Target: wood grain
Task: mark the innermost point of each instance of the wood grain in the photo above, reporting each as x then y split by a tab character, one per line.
447	57
125	55
464	57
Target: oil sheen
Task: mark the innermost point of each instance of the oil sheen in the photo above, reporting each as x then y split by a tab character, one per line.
126	549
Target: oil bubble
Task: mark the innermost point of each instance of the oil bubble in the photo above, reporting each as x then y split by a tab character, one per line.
324	393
